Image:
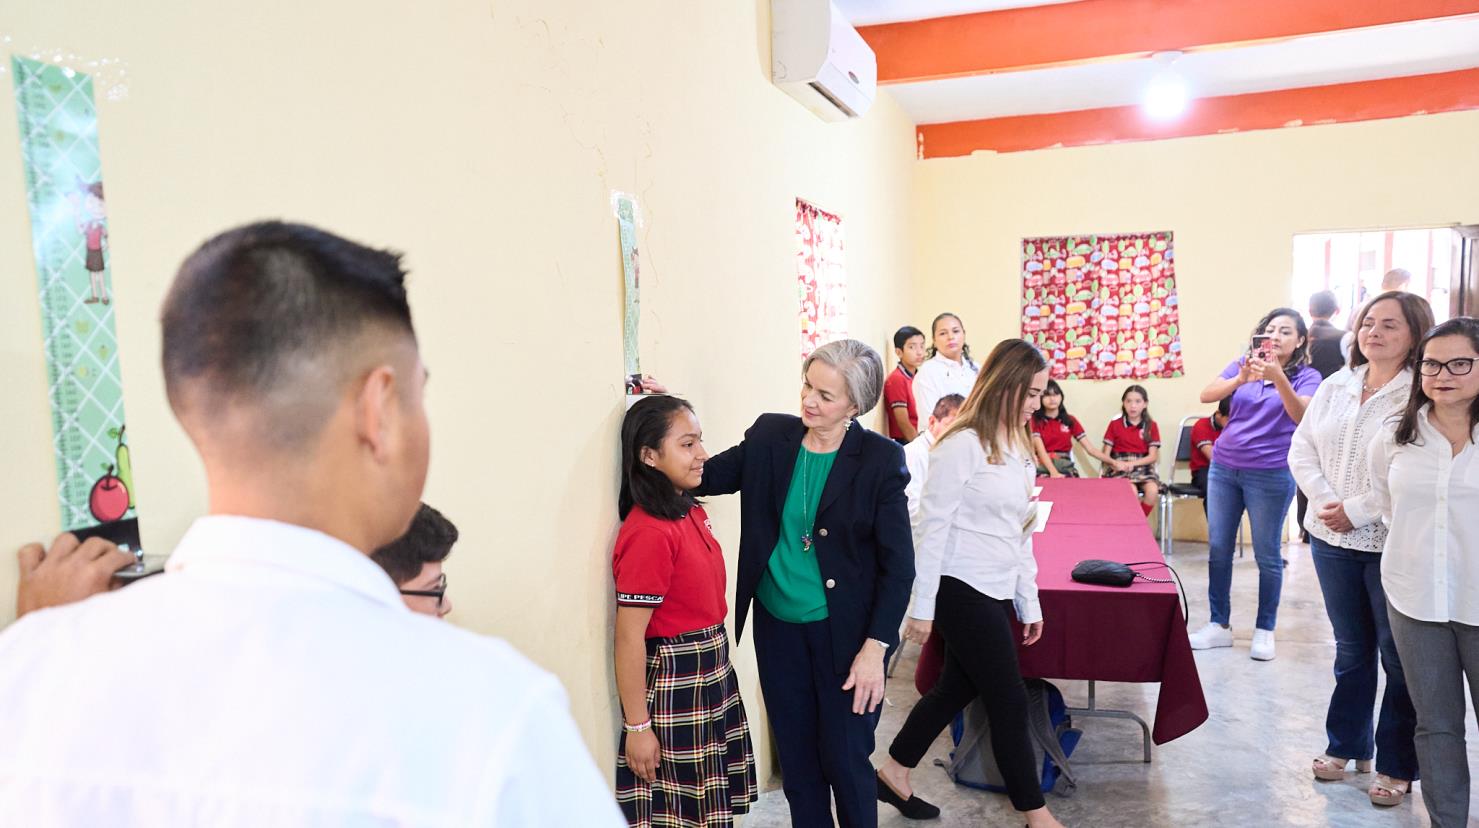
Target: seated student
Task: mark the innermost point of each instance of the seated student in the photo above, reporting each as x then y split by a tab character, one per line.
414	562
1133	441
898	389
1054	431
1204	433
917	453
685	756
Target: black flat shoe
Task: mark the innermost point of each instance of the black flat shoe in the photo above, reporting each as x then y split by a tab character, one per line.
911	808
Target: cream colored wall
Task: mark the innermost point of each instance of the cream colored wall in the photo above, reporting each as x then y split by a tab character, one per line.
1233	201
483	139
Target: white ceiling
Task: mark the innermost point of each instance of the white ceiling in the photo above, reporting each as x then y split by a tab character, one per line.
870	12
1378	52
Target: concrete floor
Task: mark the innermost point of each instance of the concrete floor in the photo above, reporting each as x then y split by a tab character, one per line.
1248	765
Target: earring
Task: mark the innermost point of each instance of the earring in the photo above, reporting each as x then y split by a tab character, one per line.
846	424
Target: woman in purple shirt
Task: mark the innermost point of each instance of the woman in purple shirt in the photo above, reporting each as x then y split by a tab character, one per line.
1270	387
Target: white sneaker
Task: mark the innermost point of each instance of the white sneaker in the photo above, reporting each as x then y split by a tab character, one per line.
1210	636
1263	645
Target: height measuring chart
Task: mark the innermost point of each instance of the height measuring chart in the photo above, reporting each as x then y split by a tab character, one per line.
69	237
631	266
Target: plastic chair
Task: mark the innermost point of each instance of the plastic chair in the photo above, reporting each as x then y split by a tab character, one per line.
1171	491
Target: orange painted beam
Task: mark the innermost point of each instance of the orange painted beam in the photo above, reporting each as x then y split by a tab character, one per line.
1334	104
1093	30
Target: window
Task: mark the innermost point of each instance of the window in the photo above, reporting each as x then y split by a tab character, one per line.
1351	265
821	277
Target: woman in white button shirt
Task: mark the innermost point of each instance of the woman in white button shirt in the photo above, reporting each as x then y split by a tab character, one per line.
973	570
1328	457
1425	475
949	370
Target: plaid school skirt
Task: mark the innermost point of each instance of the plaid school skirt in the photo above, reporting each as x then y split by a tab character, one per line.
1139	474
1063	462
706	775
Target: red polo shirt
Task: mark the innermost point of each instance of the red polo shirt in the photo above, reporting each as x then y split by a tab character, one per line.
673	566
1057	436
898	392
1203	433
1130	439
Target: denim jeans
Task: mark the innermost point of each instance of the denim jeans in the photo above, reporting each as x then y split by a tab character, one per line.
1265	494
1350	580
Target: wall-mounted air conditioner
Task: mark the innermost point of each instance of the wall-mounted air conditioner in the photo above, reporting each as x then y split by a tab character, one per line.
819	59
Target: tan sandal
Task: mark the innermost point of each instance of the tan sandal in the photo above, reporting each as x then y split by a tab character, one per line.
1388	791
1332	768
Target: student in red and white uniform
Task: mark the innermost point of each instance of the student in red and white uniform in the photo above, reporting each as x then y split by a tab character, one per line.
1204	434
1133	441
898	389
1054	432
679	695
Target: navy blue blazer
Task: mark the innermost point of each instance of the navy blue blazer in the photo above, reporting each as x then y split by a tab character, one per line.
863	542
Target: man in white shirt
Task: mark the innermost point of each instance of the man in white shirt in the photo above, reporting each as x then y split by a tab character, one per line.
917	453
265	678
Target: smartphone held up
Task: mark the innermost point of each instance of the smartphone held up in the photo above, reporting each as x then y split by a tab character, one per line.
1262	348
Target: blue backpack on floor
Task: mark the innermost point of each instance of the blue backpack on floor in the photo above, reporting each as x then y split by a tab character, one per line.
1053	739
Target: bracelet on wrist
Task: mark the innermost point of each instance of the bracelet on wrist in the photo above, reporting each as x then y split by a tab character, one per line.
637	728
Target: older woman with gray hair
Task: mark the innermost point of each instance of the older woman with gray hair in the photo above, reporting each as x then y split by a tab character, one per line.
827	556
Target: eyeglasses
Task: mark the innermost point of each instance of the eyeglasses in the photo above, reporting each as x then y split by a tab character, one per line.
439	593
1457	367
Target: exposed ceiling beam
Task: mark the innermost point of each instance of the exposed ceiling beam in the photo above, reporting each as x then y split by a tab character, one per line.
1095	30
1338	103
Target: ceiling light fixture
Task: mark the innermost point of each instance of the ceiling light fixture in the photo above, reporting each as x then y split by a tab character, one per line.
1166	95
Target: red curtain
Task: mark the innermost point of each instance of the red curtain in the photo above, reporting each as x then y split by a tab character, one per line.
821	277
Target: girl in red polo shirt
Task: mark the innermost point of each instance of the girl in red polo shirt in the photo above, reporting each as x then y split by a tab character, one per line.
1054	431
684	756
1133	441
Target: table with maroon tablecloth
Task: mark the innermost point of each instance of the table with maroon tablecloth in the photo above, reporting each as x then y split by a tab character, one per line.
1101	633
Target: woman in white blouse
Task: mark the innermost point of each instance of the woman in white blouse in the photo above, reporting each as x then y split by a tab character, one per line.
973	570
949	370
1425	476
1328	457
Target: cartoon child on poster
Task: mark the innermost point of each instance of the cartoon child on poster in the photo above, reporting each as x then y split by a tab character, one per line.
92	222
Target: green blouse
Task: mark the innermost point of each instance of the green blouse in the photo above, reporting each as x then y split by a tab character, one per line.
791	588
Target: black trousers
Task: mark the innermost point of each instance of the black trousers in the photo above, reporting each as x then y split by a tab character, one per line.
823	746
1199	480
980	662
1304	505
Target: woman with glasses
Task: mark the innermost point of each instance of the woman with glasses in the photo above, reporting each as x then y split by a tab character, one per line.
1328	458
1425	475
414	562
684	758
1270	387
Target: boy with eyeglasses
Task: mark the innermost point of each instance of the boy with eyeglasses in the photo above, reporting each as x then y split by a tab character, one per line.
414	562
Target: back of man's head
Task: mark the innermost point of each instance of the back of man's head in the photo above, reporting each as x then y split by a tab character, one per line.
271	332
429	540
259	312
1398	278
1323	305
948	406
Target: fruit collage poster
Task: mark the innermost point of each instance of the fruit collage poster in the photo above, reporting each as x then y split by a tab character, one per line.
1103	307
69	236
